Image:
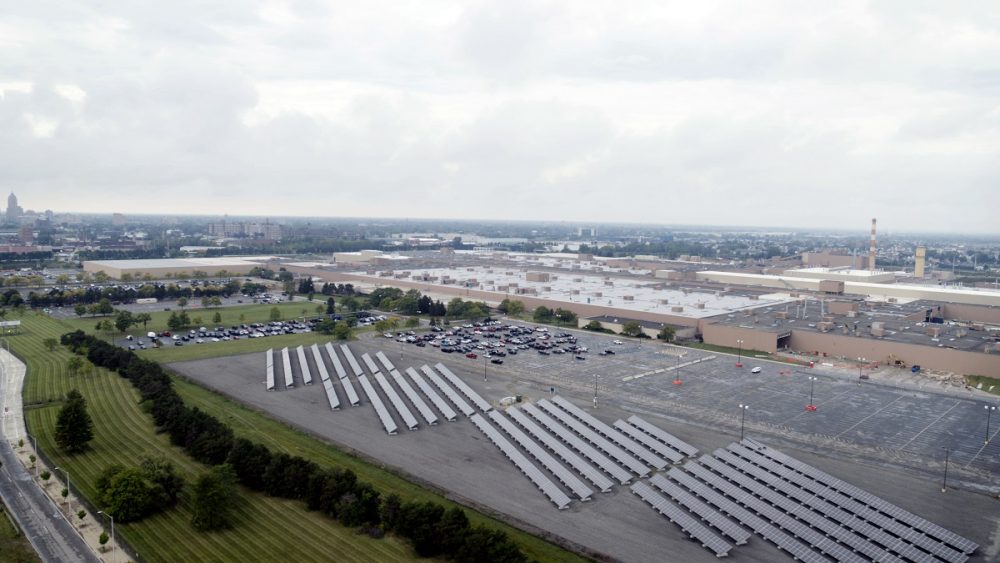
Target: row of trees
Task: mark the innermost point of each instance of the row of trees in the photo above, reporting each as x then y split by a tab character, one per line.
124	294
336	492
544	314
132	493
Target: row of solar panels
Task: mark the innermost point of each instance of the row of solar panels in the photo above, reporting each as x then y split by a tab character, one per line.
689	525
844	500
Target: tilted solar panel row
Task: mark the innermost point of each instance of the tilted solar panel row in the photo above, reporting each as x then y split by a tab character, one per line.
904	540
304	365
816	540
688	525
663	436
383	414
701	510
352	395
337	366
372	366
385	361
442	406
610	433
652	443
397	402
555	468
578	444
602	483
269	367
414	398
740	474
286	366
448	391
331	395
351	360
761	527
602	444
320	364
464	388
548	488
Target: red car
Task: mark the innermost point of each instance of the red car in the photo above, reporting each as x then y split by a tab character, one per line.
471	355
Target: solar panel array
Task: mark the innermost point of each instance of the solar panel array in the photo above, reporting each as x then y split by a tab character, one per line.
663	436
286	365
383	414
331	394
602	444
548	488
555	468
372	366
414	398
397	402
269	367
597	478
689	525
352	395
448	391
304	365
702	510
442	406
351	360
645	439
320	364
385	361
465	389
575	442
628	444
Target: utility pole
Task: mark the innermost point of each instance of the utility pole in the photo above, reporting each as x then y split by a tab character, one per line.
944	484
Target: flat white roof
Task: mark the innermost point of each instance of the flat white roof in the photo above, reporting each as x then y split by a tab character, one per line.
216	262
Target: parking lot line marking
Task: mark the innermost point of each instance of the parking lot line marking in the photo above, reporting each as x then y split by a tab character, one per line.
666	369
945	413
856	424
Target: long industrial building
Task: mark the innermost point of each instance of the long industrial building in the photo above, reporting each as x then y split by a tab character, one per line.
173	267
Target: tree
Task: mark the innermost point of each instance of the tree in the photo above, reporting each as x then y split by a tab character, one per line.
182	302
213	497
174	322
50	344
275	314
45	475
167	484
80	309
143	318
350	303
342	331
331	306
565	316
631	328
542	314
412	322
123	320
127	493
81	514
217	317
104	307
595	326
515	308
73	425
666	334
103	540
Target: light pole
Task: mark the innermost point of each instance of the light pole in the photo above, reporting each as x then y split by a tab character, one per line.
861	365
944	484
743	418
677	370
989	411
34	446
739	353
595	390
114	554
485	359
68	505
812	384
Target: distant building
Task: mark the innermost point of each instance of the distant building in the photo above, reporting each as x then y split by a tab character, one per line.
26	234
14	210
266	230
118	219
586	232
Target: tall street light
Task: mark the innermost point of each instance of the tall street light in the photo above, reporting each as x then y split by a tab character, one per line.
739	353
743	418
485	359
944	484
812	384
114	554
68	491
677	370
989	411
595	390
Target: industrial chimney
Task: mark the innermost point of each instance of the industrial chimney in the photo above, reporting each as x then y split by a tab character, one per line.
918	268
871	249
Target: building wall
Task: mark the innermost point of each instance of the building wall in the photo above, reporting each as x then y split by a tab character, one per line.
160	273
976	313
726	335
887	352
828	260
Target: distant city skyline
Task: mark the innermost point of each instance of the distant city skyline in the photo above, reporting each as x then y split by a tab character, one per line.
773	115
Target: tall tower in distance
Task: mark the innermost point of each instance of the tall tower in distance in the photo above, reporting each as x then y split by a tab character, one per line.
918	267
13	209
871	249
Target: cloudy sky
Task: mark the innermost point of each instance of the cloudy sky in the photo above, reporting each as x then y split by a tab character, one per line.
817	114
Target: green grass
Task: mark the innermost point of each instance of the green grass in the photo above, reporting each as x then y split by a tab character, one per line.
14	547
988	382
266	528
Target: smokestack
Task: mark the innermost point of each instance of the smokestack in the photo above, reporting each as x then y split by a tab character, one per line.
871	249
918	268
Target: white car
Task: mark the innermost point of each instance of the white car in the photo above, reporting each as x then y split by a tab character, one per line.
618	342
755	370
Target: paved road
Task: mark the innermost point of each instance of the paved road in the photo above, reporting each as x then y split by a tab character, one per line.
48	531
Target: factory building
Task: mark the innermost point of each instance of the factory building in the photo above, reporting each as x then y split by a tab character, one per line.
172	267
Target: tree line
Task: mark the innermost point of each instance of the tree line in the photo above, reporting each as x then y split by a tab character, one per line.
336	492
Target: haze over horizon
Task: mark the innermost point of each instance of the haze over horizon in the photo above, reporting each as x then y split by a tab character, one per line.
776	114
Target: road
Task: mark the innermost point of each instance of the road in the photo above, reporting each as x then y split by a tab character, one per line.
38	517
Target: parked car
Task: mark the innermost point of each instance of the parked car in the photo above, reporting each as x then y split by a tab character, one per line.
471	355
497	361
756	370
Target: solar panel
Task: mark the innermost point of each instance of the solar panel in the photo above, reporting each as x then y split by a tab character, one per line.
324	375
431	394
610	433
383	414
425	411
555	468
384	360
688	525
397	402
286	366
304	365
648	441
548	488
702	510
578	444
464	388
607	447
351	360
663	436
602	483
331	395
269	368
337	366
352	395
372	366
448	391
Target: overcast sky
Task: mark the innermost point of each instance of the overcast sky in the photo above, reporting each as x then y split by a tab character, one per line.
816	114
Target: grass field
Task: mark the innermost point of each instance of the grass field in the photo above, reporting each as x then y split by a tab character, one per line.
266	528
